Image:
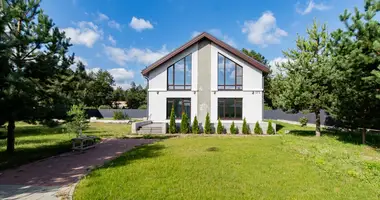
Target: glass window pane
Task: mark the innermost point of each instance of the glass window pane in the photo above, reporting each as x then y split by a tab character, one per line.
230	87
188	87
178	108
220	108
220	69
239	87
187	107
239	80
179	70
170	75
179	87
230	108
239	70
239	109
230	72
169	106
188	69
221	87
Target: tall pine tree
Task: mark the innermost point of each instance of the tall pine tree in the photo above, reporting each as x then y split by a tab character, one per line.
35	65
306	87
356	55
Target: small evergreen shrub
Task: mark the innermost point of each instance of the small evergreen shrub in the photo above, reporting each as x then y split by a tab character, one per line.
258	129
172	125
303	121
270	129
77	121
220	128
118	115
207	125
233	128
245	128
184	123
195	127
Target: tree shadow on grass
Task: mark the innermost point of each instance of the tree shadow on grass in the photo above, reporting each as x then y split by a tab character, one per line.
146	151
26	155
352	137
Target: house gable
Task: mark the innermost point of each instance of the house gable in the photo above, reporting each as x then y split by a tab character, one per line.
252	62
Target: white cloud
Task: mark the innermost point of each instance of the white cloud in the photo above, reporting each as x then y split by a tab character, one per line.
136	55
273	64
102	17
310	7
217	33
113	24
264	31
113	41
86	33
94	69
116	55
140	24
124	86
121	74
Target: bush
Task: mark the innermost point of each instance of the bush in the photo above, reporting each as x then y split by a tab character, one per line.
118	115
270	129
184	123
220	128
245	128
77	119
303	121
195	127
172	125
258	129
207	124
233	129
104	107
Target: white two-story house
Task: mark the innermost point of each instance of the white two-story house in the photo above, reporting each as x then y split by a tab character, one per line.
206	75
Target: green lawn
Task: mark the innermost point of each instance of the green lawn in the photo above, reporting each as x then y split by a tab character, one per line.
295	166
34	142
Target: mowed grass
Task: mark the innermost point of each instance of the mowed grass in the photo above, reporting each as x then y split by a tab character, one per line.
239	167
34	142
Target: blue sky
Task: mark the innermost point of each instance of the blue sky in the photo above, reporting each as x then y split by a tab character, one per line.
124	36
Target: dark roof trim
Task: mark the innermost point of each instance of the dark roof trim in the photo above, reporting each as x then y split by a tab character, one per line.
220	43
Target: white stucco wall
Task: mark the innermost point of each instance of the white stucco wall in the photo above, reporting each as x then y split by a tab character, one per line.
252	94
158	87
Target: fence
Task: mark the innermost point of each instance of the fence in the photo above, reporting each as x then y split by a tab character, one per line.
281	115
108	113
268	114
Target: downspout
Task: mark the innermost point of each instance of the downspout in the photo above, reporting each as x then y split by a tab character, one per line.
147	97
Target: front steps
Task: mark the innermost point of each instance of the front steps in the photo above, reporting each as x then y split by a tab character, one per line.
153	128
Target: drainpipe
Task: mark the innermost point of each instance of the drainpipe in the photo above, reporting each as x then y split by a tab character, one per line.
147	97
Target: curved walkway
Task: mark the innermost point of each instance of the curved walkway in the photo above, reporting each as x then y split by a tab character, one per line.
52	177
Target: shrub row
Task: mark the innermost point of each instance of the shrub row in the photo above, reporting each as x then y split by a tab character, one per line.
185	126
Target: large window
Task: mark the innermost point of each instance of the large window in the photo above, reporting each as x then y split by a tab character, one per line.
230	108
179	74
230	74
180	105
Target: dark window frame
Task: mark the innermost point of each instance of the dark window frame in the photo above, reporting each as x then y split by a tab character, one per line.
172	100
174	86
223	86
224	108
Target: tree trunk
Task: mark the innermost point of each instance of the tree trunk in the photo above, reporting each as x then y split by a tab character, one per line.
364	130
11	136
317	123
